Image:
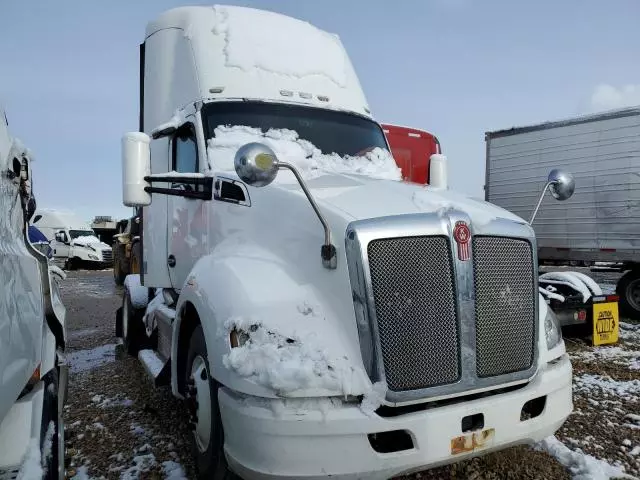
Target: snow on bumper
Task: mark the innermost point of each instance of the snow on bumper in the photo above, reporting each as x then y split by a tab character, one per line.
315	444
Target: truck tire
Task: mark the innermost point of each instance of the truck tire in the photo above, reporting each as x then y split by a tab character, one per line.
628	289
52	416
207	439
133	332
136	258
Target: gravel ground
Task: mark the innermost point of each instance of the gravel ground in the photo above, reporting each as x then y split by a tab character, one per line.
119	426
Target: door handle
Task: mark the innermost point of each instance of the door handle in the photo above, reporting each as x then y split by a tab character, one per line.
171	261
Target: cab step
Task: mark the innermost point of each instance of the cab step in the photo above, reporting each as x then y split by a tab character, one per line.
158	369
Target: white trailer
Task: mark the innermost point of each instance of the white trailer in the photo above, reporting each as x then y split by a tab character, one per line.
72	239
601	222
33	370
319	316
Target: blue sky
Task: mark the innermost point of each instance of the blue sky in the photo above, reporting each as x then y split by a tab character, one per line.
457	68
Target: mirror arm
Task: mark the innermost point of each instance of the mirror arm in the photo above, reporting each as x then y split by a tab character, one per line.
535	212
328	251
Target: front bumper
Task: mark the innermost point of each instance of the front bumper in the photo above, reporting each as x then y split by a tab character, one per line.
261	444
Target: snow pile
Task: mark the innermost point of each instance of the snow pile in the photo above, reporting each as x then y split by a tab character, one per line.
576	280
175	121
31	468
81	474
86	241
373	398
629	389
139	295
55	270
142	463
289	364
582	466
288	147
173	471
151	360
263	40
630	332
157	303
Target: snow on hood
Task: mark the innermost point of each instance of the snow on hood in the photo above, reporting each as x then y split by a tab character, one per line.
89	241
354	185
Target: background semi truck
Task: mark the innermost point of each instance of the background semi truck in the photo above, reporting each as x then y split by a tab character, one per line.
33	369
72	240
288	306
601	222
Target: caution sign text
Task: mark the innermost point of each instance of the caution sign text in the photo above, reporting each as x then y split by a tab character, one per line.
605	323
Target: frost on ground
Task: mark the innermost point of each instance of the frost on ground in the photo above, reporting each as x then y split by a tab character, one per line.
84	360
287	146
581	466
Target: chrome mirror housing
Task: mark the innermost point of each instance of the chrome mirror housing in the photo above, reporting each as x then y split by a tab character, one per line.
256	164
561	184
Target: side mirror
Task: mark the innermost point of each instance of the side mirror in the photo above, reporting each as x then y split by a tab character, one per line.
256	164
561	184
136	165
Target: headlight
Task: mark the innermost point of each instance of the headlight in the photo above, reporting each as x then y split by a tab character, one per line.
552	329
93	257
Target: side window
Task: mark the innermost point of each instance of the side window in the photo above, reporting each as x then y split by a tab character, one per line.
185	152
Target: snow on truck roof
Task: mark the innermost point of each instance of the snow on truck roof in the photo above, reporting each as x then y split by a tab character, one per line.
244	52
606	115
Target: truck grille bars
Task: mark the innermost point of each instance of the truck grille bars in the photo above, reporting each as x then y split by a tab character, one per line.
435	320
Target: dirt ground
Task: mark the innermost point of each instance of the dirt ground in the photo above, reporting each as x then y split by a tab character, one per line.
119	426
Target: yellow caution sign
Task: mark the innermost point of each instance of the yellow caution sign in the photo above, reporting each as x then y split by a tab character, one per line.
606	324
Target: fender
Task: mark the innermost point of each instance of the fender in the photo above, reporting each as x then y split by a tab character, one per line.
251	285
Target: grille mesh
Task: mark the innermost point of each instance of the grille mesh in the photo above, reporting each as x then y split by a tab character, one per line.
414	296
505	308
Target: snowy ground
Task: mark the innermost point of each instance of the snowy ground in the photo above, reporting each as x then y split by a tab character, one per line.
119	426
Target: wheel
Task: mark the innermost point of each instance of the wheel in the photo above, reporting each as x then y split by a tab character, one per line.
52	431
118	274
134	262
207	439
133	332
628	289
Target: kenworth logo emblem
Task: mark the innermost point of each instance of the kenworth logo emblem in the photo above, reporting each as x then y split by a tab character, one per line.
462	236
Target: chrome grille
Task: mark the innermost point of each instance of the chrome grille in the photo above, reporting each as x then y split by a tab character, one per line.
107	255
414	297
9	473
504	305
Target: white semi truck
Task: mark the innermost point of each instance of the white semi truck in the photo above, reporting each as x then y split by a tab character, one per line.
319	316
72	239
33	370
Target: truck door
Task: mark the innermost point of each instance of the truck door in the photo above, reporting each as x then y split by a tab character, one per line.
187	221
61	244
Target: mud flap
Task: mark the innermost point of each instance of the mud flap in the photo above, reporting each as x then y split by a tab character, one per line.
119	323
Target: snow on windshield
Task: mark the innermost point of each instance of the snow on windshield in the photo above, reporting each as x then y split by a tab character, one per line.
376	163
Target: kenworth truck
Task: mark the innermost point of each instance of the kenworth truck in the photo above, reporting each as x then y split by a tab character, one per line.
33	369
280	293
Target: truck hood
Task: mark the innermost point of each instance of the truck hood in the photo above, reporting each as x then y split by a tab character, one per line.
361	197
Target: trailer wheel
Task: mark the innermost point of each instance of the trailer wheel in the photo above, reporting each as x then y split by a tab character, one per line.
133	331
628	289
52	430
207	439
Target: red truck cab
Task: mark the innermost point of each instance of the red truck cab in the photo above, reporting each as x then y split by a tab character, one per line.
412	149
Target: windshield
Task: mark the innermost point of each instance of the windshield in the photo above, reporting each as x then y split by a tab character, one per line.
81	233
330	131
